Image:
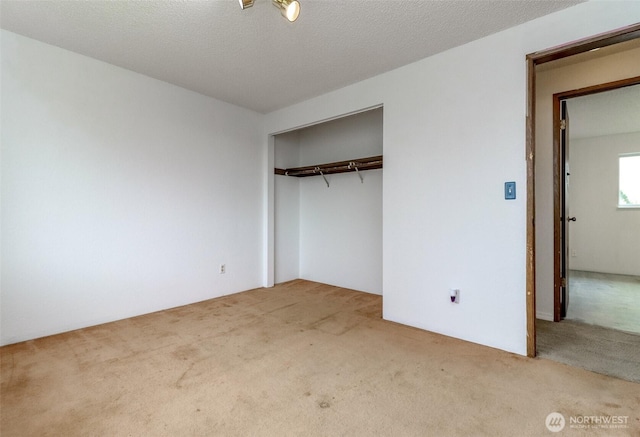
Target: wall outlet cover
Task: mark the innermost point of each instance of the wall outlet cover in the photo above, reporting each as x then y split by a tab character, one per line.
455	295
509	190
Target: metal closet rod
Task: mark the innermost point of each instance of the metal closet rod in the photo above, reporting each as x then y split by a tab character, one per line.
370	163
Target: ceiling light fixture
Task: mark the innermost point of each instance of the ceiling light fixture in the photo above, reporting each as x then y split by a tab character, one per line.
290	9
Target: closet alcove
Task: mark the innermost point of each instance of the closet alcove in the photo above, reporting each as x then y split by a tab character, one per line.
328	203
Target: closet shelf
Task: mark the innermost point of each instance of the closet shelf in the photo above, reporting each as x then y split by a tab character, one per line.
370	163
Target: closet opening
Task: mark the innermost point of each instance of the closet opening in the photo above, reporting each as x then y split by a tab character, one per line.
328	203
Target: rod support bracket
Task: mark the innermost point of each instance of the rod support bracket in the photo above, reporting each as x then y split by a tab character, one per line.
354	165
317	170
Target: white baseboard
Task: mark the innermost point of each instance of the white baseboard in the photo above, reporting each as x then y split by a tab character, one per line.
544	316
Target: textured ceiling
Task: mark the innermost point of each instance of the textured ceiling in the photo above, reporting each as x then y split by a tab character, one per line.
608	113
255	58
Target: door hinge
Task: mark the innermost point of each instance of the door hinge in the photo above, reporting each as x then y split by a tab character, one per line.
563	282
563	124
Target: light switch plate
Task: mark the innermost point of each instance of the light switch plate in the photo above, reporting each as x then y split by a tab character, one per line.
509	190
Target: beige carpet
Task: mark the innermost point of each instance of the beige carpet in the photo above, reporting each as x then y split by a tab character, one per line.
301	359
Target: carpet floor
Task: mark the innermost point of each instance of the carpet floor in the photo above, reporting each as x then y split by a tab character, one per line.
604	299
301	358
602	350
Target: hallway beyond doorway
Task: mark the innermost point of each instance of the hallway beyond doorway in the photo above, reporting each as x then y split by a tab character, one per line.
601	350
604	299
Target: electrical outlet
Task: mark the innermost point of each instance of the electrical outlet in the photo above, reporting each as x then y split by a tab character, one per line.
573	253
223	269
455	295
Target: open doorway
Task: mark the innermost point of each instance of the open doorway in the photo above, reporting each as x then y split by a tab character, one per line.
543	260
600	209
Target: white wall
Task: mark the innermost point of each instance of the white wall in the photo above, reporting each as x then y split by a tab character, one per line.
287	209
454	132
548	82
339	229
356	136
121	194
604	238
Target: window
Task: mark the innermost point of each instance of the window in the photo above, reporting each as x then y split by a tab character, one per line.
629	188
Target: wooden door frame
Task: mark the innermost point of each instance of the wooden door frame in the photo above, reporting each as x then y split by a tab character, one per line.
602	40
558	177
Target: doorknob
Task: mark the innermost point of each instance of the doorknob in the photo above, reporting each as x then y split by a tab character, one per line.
571	219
